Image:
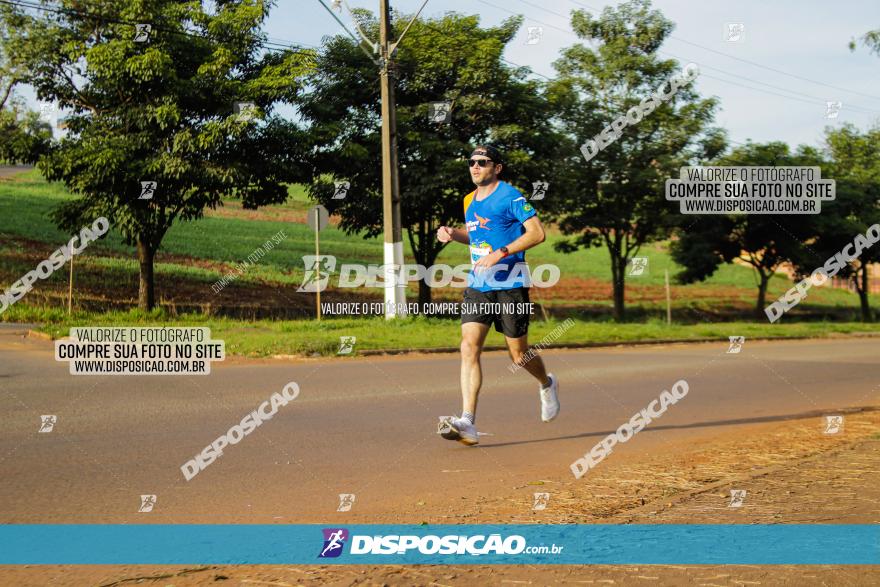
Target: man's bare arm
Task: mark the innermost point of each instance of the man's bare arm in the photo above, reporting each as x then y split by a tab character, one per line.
534	235
448	233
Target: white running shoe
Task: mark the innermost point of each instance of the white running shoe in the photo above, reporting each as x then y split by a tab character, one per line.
550	399
452	428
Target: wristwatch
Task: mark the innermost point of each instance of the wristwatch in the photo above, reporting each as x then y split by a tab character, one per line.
505	251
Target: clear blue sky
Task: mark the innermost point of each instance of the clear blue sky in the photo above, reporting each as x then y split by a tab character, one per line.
806	39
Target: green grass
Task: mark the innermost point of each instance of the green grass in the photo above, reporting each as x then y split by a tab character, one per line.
26	201
262	338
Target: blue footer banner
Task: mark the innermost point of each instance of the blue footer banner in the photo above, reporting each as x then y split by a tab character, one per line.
180	544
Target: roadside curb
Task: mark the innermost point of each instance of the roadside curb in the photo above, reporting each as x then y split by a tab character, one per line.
586	345
31	333
37	334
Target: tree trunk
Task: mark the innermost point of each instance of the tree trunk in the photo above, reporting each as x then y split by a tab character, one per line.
762	295
146	292
424	295
618	270
863	295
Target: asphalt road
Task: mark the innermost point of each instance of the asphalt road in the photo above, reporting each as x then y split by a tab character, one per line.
366	426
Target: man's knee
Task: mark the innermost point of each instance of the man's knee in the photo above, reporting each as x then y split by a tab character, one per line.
470	348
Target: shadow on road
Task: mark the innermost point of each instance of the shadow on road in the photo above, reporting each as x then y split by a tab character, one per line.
734	422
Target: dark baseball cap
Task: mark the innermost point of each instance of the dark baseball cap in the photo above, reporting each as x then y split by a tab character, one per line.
489	151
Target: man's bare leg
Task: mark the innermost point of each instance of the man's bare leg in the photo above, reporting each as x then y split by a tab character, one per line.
473	335
517	347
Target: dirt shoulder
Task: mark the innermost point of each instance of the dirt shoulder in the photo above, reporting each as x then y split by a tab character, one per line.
792	472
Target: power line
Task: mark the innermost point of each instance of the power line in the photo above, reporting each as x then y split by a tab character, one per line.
851	107
754	63
293	48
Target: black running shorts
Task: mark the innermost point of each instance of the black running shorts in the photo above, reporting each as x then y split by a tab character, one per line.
507	309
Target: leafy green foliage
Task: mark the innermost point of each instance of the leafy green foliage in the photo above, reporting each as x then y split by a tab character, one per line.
616	199
160	111
446	59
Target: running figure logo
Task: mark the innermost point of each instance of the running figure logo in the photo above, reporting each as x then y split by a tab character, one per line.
483	221
735	31
737	497
534	35
346	345
142	32
833	424
539	189
340	189
147	503
148	188
440	112
736	344
832	109
334	540
541	501
318	270
47	423
638	266
346	500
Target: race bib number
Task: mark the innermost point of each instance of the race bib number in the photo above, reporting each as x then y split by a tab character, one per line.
478	253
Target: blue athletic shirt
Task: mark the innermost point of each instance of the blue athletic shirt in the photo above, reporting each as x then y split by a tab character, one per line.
492	223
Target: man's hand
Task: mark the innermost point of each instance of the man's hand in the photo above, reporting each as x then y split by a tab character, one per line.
488	261
444	234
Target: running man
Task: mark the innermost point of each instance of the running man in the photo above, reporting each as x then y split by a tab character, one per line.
500	226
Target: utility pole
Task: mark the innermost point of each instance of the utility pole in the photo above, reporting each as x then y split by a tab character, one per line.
393	258
395	295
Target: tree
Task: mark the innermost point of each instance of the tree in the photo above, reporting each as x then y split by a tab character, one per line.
616	198
23	136
158	106
855	167
764	241
450	59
